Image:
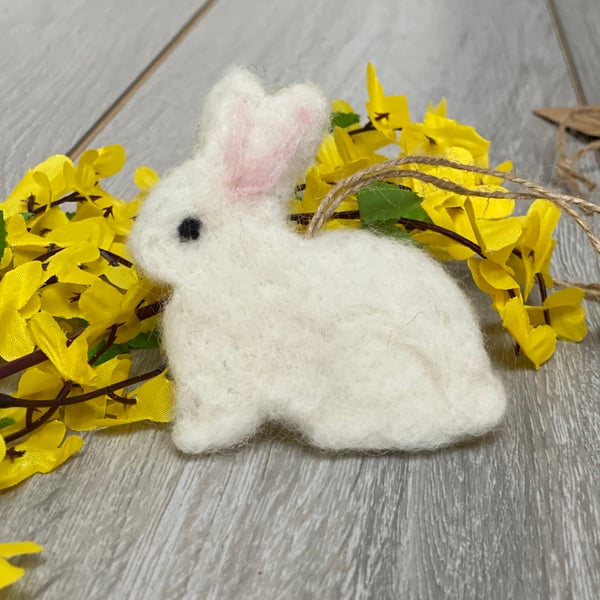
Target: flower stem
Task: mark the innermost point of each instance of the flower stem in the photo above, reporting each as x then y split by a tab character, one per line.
7	401
305	218
33	425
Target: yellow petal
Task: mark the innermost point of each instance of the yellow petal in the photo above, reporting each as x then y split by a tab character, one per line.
7	550
15	340
70	360
537	343
60	300
110	160
51	219
9	573
96	231
39	383
497	275
567	315
154	400
145	178
101	302
85	416
91	414
7	258
19	284
44	450
341	106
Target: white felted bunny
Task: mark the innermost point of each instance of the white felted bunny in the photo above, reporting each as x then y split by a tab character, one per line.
355	340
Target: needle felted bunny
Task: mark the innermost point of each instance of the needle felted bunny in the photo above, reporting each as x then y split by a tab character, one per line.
355	340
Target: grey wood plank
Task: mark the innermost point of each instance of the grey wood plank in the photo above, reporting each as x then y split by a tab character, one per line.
514	515
61	68
579	21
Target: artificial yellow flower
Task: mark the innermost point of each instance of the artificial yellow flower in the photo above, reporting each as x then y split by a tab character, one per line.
10	573
367	140
61	300
44	450
46	221
154	402
566	315
103	305
92	413
18	300
439	136
94	164
68	356
387	113
145	178
66	265
537	342
66	279
40	186
536	244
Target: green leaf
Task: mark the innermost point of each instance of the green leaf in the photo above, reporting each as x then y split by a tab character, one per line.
384	203
110	352
6	422
27	215
340	119
3	242
393	231
146	339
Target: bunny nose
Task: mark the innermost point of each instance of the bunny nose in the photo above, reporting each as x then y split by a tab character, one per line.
189	229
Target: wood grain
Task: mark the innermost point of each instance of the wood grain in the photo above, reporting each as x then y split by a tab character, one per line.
579	23
513	515
60	69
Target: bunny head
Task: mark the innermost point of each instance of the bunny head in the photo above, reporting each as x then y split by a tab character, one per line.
252	148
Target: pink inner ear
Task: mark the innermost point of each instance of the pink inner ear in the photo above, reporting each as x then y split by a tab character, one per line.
248	176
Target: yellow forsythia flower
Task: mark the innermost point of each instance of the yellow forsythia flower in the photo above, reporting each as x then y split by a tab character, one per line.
44	450
69	291
514	251
10	573
387	113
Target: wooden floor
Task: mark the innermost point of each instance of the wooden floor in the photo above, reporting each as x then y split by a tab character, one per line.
515	516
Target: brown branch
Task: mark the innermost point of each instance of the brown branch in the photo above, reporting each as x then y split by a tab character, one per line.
543	295
7	401
52	249
121	399
305	218
37	356
72	197
20	364
368	126
54	406
114	259
149	310
107	344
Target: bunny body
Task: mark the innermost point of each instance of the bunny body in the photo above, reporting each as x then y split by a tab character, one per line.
356	340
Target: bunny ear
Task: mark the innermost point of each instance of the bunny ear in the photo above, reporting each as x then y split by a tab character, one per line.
265	141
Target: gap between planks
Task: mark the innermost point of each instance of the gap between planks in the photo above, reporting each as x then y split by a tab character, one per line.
139	81
565	48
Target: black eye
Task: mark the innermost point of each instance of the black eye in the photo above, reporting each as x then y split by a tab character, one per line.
189	229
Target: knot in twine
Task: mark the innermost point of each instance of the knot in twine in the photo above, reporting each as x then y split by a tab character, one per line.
580	118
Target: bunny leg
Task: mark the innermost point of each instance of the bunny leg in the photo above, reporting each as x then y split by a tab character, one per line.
209	428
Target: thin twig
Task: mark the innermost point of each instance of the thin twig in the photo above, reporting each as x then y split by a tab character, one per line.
54	406
7	401
112	335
